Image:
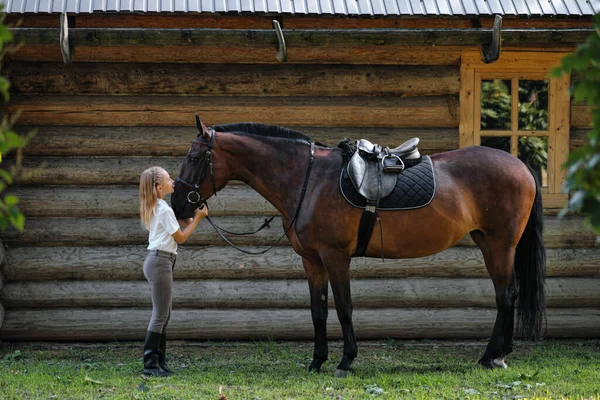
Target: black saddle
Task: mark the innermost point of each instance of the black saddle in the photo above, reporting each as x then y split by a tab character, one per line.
414	188
374	170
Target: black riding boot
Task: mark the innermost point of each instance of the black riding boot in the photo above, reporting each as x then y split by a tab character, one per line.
163	353
152	355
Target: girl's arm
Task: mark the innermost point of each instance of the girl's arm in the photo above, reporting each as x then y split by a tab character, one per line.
181	236
185	222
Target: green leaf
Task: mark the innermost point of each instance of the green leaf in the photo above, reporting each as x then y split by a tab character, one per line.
4	174
5	34
11	200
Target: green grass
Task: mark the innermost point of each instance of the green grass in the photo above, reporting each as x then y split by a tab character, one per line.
278	370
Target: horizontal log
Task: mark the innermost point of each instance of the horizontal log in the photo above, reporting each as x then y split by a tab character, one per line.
213	324
410	112
123	263
397	55
175	140
112	231
91	170
366	293
299	37
581	115
579	138
568	232
230	79
99	201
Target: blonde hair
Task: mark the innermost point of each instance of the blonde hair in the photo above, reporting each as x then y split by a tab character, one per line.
148	193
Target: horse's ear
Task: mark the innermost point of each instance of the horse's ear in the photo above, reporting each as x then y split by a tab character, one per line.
202	130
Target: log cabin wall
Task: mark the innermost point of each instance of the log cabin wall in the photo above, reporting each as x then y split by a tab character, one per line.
76	271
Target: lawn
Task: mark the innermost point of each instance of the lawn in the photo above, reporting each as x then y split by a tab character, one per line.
278	370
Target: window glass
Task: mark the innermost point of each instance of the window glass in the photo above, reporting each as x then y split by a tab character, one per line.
496	142
533	105
533	151
496	104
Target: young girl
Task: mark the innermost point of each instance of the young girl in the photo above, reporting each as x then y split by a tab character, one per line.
164	235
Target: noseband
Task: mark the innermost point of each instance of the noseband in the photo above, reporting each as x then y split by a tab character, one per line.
194	196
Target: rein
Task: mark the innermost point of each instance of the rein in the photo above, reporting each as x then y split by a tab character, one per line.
198	198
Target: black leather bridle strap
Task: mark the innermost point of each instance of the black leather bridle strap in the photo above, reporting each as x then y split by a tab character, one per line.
208	162
302	195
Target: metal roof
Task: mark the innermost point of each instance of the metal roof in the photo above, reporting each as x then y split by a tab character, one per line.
316	7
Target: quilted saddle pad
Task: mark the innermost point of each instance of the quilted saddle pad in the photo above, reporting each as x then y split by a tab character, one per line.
415	188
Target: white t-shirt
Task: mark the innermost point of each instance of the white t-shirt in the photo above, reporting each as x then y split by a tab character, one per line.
162	226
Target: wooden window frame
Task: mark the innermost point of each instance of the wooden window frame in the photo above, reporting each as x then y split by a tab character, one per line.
523	66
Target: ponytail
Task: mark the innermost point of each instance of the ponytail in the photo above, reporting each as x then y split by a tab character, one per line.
148	194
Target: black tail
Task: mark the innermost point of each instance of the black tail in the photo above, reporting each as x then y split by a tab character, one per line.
530	269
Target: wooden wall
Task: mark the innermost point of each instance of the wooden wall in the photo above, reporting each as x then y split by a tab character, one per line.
76	271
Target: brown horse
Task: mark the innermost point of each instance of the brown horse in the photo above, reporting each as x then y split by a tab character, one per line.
487	193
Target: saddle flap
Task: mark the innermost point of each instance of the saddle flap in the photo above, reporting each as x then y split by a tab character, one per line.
364	176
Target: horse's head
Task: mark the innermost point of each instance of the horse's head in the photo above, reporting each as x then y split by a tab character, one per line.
196	181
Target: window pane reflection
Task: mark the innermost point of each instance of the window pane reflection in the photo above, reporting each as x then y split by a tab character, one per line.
496	142
533	105
496	104
533	151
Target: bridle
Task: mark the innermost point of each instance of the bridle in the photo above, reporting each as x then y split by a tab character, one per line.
194	196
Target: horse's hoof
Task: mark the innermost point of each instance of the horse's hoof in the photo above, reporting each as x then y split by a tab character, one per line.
314	369
493	364
315	365
340	373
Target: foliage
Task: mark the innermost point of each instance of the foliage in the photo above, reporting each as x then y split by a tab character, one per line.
278	370
583	165
10	141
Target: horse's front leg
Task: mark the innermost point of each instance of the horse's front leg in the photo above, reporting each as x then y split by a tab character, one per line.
337	265
318	285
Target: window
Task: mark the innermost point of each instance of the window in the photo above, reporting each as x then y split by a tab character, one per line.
514	106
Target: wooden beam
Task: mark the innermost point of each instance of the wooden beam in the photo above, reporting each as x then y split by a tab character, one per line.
581	115
579	138
568	232
300	37
405	55
411	112
79	141
86	202
100	201
123	231
124	263
49	78
277	294
214	324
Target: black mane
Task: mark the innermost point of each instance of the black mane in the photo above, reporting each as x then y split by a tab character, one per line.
348	147
261	130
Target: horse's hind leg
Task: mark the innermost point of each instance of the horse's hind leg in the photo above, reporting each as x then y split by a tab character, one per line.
499	261
318	285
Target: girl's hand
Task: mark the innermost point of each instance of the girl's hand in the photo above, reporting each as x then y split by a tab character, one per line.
201	212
